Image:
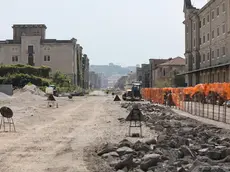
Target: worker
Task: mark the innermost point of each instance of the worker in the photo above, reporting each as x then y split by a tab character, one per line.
165	98
169	99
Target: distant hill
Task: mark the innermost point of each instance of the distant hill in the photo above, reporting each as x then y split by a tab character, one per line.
111	69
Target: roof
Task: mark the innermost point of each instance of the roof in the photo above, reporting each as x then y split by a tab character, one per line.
43	41
178	61
29	25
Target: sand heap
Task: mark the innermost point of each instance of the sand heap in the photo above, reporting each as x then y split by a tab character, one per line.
30	93
4	96
33	89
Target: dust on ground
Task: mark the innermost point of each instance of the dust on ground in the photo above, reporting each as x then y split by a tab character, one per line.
69	138
59	139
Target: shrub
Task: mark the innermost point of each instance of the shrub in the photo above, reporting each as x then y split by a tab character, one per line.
20	80
42	71
61	79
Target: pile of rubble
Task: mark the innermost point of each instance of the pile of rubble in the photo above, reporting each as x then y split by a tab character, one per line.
182	145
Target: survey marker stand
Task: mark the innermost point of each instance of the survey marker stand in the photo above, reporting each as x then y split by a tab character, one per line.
135	118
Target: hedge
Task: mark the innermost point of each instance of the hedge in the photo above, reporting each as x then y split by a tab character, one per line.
20	80
42	71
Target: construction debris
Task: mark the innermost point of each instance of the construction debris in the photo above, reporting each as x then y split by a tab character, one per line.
182	145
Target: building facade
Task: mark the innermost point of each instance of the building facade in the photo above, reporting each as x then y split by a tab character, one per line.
207	42
30	46
165	73
94	80
85	69
153	65
143	75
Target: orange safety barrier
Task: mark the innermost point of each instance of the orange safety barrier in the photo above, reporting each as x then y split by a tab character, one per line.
156	95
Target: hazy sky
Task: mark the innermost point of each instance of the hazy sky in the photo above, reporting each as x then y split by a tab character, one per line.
125	32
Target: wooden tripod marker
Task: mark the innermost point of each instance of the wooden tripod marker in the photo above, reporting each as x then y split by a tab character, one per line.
135	118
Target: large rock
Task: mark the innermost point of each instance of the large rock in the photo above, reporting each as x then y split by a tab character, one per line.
214	155
124	150
151	141
126	143
149	160
112	154
126	162
140	146
109	147
203	152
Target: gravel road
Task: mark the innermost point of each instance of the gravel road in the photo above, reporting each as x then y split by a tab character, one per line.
59	139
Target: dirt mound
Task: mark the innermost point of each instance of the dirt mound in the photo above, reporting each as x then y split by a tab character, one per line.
4	96
33	89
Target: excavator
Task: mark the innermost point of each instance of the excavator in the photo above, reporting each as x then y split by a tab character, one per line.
132	92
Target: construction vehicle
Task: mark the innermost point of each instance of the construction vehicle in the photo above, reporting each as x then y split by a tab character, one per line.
132	92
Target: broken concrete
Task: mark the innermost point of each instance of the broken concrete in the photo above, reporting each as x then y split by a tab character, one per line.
182	145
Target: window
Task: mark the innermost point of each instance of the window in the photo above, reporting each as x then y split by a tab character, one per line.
194	42
213	35
217	11
208	56
208	37
208	19
203	38
203	57
223	28
193	59
218	53
30	49
200	41
213	15
46	58
223	7
218	31
203	21
14	58
213	54
194	26
200	24
223	51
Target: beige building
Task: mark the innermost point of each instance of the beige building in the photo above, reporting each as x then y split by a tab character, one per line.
30	46
207	42
153	66
165	73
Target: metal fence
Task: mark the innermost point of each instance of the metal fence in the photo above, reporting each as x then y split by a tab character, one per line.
212	111
206	103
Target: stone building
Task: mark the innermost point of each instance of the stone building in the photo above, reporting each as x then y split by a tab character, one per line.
30	46
143	75
85	71
153	65
94	80
207	42
165	73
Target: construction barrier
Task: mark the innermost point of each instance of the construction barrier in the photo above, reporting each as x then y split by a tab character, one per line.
207	100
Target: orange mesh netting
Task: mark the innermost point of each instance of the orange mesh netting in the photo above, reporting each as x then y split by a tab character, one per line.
157	94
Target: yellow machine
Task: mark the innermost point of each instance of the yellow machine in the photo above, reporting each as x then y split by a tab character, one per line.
133	92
